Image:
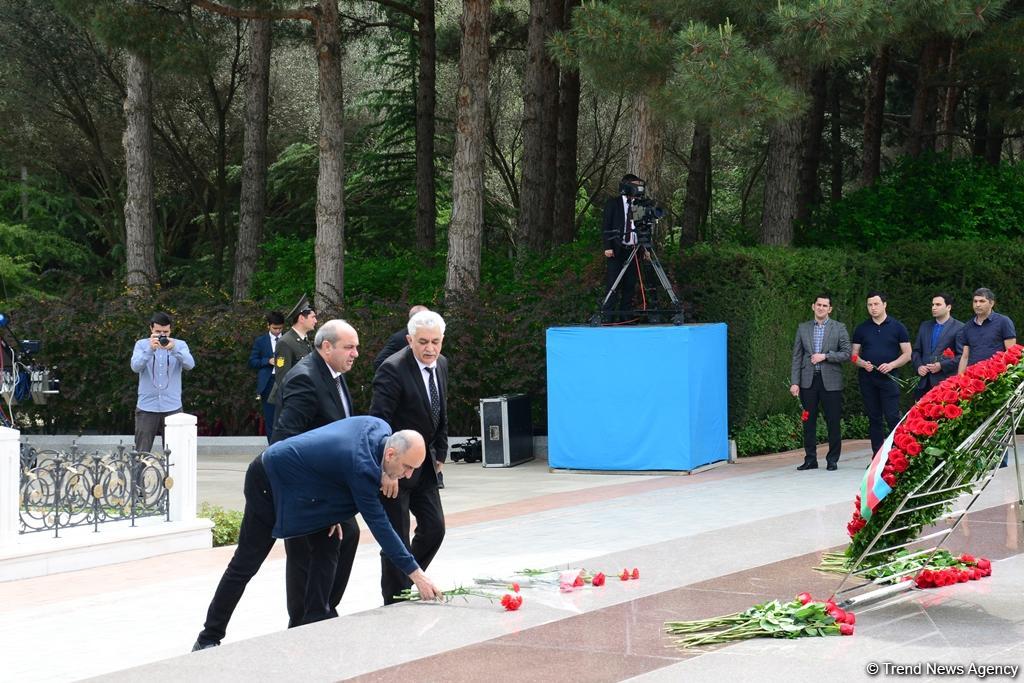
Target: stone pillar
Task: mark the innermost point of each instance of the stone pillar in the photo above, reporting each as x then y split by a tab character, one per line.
181	440
10	485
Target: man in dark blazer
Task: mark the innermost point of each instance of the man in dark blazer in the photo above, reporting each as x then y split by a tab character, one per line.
397	341
314	393
305	484
410	391
293	345
934	338
620	238
821	347
261	359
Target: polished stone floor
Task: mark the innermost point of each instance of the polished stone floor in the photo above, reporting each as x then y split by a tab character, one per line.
707	544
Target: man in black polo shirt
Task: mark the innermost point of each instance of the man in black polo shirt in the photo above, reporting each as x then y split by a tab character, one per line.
881	344
987	332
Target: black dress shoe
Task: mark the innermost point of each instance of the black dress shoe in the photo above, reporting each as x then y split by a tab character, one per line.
200	645
832	466
808	466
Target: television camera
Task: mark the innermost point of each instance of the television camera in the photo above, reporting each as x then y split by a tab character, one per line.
644	213
22	379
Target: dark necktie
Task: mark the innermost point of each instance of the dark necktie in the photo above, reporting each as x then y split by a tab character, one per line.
341	395
435	399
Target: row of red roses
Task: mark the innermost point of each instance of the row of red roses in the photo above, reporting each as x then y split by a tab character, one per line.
940	403
972	570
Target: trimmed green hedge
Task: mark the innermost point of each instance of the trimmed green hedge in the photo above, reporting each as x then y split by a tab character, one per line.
496	345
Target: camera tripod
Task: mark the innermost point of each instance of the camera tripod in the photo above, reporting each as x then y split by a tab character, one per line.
654	315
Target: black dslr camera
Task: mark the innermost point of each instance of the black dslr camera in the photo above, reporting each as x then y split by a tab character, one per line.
644	211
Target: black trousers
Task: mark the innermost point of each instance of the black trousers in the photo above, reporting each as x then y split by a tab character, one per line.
254	544
424	501
317	571
881	397
147	426
831	403
622	298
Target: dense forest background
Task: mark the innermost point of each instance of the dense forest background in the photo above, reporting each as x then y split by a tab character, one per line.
218	159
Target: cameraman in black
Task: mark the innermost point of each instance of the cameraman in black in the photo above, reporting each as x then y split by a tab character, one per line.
158	359
620	237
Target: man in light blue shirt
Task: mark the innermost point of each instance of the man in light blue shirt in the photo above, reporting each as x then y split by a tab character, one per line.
158	359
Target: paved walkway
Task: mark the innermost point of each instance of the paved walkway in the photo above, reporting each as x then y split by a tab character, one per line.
706	544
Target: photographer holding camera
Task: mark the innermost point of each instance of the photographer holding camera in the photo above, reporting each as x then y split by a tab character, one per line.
620	237
158	359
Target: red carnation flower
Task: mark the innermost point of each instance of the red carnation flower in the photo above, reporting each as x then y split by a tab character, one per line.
635	574
578	582
804	416
854	358
624	576
804	598
948	353
514	603
515	587
598	579
505	599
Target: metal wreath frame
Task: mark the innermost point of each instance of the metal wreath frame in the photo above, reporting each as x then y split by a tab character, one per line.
939	489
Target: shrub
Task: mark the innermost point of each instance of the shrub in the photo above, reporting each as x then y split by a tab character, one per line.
785	432
226	523
927	198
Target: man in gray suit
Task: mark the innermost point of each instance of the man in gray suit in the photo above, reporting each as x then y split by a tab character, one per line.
937	350
821	347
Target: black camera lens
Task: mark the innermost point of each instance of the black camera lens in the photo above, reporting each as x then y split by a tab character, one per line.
163	340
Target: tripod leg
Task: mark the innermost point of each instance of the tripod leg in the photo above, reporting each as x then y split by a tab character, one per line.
622	272
656	264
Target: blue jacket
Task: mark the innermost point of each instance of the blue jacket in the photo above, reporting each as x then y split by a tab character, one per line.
327	475
259	360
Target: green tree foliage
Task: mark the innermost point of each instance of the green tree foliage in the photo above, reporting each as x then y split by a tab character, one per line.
927	198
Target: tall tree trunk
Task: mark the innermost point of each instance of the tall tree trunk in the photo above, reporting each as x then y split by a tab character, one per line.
563	221
836	137
946	128
139	207
874	108
810	191
426	99
537	165
252	205
781	182
464	233
698	187
330	184
645	145
980	140
923	109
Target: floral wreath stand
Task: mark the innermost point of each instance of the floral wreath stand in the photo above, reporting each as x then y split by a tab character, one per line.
952	486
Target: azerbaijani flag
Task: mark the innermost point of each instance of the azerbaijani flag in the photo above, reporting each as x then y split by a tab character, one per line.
873	488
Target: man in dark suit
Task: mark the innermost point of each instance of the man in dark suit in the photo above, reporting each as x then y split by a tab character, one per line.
410	391
620	238
305	484
293	345
314	393
397	341
936	352
261	359
821	347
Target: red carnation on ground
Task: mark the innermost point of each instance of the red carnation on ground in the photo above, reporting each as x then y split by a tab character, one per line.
515	587
514	602
635	574
624	576
804	598
598	579
845	629
578	582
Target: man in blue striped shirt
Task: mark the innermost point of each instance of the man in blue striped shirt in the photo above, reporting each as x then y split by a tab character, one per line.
158	359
